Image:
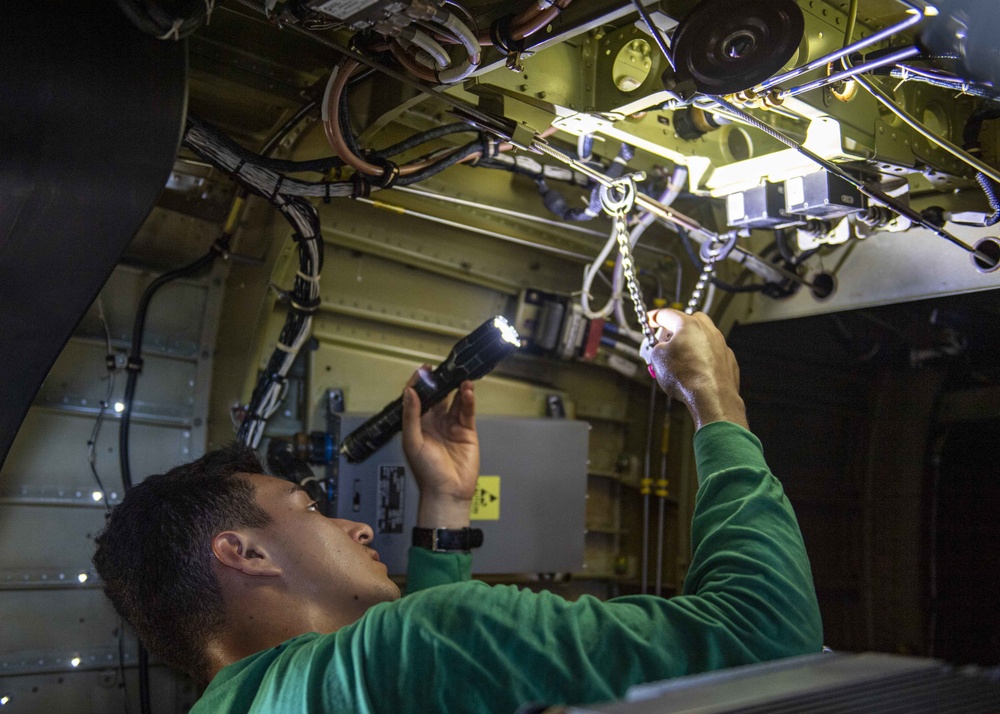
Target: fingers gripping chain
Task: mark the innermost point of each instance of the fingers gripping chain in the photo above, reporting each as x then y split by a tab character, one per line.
617	199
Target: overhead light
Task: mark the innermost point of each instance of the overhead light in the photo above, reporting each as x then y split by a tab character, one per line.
4	700
75	662
97	495
119	407
82	577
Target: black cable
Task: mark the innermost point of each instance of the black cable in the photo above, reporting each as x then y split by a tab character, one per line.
423	137
133	367
346	130
135	353
448	161
121	662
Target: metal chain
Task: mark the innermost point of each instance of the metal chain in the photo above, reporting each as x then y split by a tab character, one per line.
617	200
707	271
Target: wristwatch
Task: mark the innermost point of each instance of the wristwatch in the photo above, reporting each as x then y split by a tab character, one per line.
448	540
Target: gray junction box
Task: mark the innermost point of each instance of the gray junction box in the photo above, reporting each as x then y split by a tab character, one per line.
530	504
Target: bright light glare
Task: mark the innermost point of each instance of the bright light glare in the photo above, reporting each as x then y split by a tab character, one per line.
4	700
508	332
930	11
119	407
82	577
75	661
97	495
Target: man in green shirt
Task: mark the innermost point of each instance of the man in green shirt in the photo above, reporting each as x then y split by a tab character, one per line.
235	577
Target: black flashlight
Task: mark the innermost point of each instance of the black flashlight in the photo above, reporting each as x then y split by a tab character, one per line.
472	357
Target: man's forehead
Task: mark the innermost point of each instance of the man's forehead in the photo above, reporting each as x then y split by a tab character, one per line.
272	487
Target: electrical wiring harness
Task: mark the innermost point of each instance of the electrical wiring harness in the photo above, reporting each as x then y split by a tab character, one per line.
304	299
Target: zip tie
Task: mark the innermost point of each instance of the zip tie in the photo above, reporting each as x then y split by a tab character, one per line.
288	349
307	278
239	167
277	187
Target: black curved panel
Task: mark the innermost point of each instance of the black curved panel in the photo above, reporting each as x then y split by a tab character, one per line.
91	119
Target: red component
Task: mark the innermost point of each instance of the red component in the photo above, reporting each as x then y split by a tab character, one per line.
594	331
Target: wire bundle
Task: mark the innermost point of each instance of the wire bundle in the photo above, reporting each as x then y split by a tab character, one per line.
303	300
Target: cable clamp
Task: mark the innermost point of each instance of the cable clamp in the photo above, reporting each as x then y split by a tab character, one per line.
134	364
174	31
326	188
503	40
390	173
491	146
220	246
362	189
110	362
718	249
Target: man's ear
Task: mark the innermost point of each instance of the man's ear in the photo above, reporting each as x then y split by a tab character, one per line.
243	552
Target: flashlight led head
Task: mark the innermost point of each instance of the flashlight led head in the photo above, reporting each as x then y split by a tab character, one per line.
506	331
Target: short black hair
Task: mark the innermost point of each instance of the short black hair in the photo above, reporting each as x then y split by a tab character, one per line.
155	556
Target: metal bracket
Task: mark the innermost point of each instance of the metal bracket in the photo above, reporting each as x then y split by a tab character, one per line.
554	407
334	401
334	408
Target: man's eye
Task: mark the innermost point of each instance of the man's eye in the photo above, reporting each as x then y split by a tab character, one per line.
312	506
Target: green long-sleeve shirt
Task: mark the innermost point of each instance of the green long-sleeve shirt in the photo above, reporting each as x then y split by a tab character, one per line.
453	644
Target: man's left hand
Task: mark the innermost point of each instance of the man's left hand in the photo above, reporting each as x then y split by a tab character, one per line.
443	450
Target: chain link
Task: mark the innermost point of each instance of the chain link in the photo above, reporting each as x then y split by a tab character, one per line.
707	271
617	200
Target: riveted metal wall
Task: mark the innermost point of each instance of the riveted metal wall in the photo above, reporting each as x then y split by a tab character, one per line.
61	645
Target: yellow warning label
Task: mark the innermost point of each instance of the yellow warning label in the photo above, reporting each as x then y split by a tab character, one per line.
486	501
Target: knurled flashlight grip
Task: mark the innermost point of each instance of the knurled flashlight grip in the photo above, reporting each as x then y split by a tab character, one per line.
472	357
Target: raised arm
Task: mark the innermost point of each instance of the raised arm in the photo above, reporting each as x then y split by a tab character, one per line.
442	448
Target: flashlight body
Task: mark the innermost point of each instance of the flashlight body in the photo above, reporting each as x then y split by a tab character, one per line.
472	357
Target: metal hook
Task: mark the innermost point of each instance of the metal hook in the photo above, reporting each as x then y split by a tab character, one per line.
619	197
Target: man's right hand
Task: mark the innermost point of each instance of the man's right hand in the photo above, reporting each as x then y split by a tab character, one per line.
694	364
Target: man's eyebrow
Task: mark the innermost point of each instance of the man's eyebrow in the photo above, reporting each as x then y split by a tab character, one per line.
295	488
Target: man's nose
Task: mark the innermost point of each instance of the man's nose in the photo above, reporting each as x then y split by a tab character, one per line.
360	532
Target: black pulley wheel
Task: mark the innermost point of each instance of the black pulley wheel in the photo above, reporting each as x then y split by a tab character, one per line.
726	46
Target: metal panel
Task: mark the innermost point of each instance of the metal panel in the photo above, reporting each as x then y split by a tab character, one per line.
542	464
885	269
62	619
37	535
96	691
78	379
175	315
51	450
